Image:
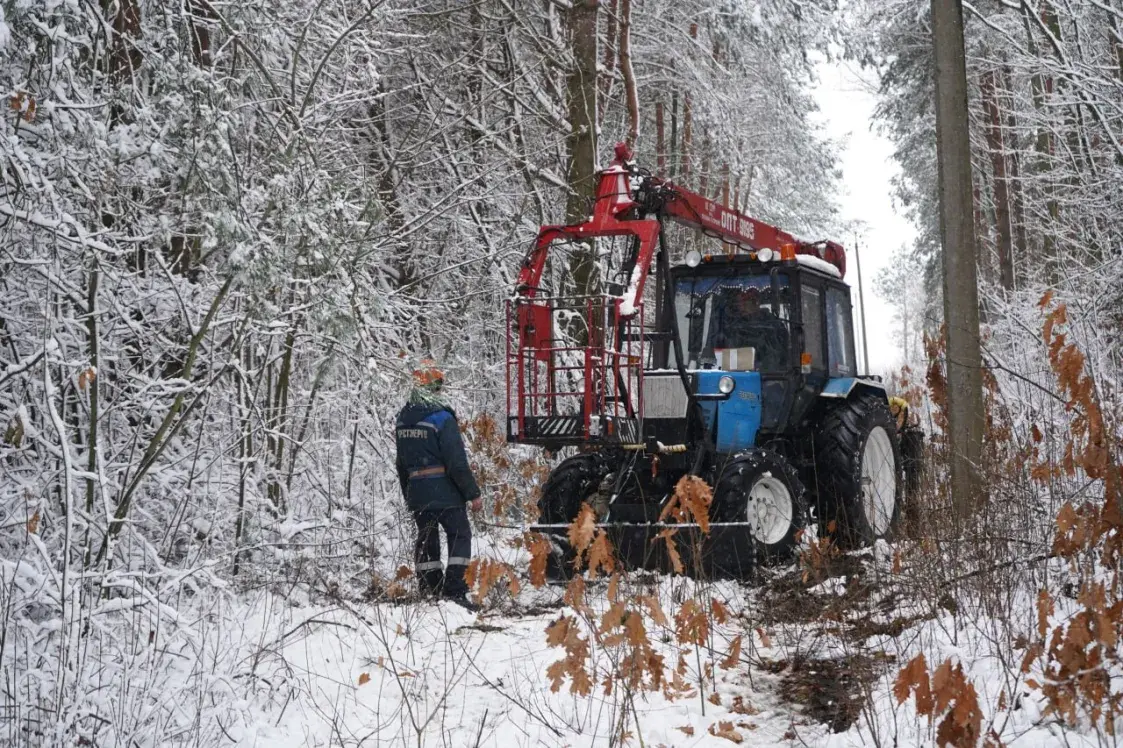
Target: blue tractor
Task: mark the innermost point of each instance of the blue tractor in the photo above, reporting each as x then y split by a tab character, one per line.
742	374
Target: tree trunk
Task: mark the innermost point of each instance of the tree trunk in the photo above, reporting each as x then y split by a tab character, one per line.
202	15
673	152
608	72
279	428
388	180
581	142
626	71
1017	202
1115	37
687	124
957	233
997	148
1043	145
245	450
124	57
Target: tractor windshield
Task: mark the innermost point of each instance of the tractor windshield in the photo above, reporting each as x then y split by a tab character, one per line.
716	313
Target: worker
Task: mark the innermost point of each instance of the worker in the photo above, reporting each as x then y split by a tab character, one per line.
899	407
911	440
437	484
748	324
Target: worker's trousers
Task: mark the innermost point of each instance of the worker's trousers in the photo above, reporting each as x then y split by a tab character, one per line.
431	575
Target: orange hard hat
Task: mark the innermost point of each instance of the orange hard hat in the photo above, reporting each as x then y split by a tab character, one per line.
427	374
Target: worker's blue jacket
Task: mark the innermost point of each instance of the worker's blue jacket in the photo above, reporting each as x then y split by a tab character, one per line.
432	465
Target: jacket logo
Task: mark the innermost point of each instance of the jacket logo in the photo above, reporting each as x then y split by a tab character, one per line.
412	433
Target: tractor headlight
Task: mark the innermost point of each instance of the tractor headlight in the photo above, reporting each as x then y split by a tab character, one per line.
765	255
725	385
693	258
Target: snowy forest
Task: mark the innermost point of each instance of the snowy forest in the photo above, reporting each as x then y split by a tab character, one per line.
229	231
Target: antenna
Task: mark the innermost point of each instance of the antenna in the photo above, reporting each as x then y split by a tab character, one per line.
862	302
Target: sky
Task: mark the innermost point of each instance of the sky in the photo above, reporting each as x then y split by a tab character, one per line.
846	100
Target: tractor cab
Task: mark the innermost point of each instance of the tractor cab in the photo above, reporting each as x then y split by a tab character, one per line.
769	334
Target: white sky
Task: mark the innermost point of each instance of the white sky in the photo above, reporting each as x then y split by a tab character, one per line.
846	101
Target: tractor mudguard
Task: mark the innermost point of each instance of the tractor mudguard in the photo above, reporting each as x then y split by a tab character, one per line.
841	388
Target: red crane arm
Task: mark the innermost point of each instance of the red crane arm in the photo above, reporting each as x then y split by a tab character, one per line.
615	197
695	211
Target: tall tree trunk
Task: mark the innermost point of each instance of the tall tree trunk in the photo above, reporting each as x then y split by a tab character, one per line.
1115	38
687	124
388	181
626	71
1017	201
957	233
608	65
581	142
997	148
202	16
280	428
1043	145
673	153
124	57
93	350
245	450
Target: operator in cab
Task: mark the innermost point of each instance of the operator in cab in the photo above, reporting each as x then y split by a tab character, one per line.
744	322
438	486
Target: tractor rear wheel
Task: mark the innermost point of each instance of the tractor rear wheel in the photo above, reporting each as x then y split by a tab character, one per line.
573	482
857	459
761	488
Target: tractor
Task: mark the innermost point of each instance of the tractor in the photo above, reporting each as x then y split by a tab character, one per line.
735	365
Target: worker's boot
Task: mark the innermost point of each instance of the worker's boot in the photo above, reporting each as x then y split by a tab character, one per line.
464	602
430	582
456	589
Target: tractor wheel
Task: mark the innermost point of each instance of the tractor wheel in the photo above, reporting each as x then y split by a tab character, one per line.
857	459
571	483
762	488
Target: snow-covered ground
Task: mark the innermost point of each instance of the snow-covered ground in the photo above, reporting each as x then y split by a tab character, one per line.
817	667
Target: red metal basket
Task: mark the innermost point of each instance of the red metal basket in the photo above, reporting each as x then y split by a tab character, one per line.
574	371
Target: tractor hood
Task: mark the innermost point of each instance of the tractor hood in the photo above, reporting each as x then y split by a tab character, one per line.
738	417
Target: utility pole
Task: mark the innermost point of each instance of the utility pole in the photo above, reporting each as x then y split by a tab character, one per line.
862	302
957	234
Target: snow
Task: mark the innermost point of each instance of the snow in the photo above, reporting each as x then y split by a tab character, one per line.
817	263
441	675
628	300
300	673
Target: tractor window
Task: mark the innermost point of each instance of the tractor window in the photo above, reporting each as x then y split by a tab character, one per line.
813	325
840	332
734	312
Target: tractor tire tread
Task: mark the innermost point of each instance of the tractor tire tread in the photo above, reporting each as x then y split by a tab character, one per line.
839	439
751	461
567	487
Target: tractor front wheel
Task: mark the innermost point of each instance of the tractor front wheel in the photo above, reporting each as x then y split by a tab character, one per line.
857	458
572	483
761	488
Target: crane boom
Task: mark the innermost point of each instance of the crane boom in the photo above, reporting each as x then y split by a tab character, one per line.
730	226
632	203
